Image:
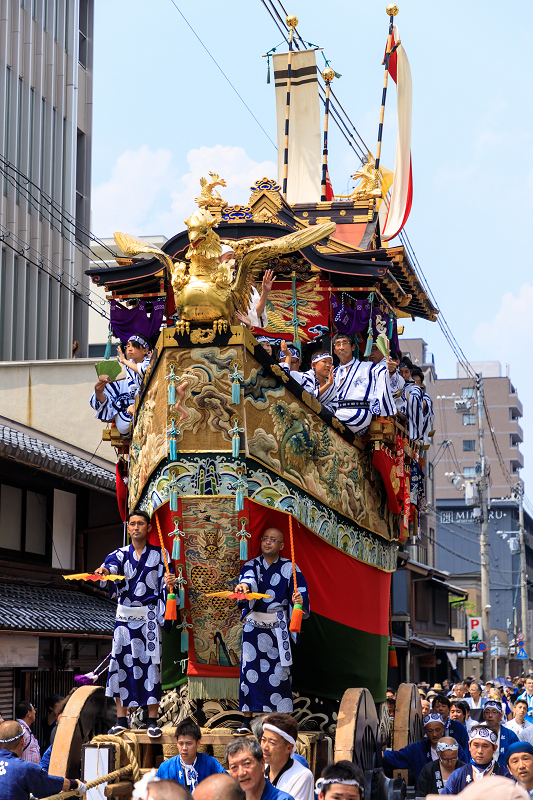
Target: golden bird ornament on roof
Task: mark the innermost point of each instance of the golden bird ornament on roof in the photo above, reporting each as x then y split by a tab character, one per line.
207	291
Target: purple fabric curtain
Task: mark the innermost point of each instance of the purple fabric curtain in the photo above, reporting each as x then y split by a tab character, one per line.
354	322
125	322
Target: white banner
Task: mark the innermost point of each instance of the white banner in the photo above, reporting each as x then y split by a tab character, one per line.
402	186
305	133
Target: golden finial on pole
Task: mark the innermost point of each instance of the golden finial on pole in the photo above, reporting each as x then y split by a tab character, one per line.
392	9
292	20
328	74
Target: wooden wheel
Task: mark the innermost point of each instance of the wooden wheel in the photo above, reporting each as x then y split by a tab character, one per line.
357	737
84	716
408	726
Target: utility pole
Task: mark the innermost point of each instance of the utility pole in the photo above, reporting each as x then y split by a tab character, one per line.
484	534
519	492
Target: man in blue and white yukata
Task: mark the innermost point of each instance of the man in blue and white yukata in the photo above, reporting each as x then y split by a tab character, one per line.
265	680
319	380
115	400
363	387
134	677
411	402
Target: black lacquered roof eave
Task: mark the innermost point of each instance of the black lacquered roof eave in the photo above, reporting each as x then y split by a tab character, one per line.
359	268
241	230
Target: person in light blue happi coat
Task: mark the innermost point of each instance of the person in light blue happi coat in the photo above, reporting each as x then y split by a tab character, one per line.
189	767
134	677
265	681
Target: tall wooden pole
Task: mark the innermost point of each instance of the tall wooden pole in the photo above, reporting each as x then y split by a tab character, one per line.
328	74
292	22
392	10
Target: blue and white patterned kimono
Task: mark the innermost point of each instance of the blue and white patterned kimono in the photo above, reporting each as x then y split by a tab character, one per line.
363	391
265	679
429	416
309	382
119	396
135	666
412	407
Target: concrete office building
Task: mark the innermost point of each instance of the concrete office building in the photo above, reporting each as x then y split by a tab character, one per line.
455	472
46	53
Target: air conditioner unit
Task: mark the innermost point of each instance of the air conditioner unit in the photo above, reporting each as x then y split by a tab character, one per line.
514	545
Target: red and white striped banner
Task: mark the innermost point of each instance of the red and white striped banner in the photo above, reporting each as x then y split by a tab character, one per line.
402	187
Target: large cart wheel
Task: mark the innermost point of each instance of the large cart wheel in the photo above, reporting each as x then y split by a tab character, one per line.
357	739
408	726
357	735
84	716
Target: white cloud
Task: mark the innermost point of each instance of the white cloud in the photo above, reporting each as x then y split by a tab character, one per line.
145	194
507	336
125	202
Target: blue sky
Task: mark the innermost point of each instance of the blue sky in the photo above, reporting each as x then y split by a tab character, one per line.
164	115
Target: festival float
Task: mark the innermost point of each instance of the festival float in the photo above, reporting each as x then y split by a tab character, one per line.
225	442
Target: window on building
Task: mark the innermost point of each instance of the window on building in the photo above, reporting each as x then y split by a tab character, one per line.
469	445
468	391
469	419
7	124
84	32
24	521
423	601
440	606
469	472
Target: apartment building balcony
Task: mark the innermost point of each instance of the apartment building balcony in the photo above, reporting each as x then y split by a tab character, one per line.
516	461
515	406
517	435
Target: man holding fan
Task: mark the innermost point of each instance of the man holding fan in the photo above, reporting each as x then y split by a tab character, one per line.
265	682
134	677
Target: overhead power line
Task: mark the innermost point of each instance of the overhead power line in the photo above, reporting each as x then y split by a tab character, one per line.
213	59
337	111
23	249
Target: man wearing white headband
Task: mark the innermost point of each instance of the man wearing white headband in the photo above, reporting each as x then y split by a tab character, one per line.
363	388
246	764
278	743
115	400
483	746
434	776
319	380
256	315
18	778
341	781
415	756
505	737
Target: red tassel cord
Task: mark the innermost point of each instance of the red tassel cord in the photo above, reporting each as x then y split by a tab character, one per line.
171	610
297	611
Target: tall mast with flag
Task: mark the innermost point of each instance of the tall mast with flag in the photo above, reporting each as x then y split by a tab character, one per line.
397	66
298	122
